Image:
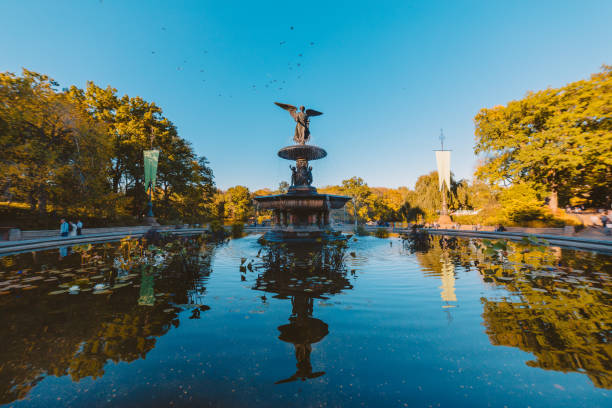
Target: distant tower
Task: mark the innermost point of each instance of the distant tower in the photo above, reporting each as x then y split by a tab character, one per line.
443	161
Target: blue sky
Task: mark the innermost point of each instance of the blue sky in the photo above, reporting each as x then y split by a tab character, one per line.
387	75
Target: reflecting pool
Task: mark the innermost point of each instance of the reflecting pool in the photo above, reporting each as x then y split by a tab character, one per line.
376	322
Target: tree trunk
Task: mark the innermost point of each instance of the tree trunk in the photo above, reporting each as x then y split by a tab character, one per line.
116	179
32	201
553	202
42	200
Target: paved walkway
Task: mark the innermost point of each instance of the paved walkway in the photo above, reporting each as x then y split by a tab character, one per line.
593	232
89	236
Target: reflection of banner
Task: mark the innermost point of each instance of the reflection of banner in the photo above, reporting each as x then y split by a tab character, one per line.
448	281
150	167
147	289
443	160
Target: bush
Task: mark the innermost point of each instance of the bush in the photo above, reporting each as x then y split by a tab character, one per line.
381	233
237	229
361	231
217	229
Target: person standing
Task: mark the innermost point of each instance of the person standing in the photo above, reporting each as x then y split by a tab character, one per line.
79	227
604	222
64	227
72	229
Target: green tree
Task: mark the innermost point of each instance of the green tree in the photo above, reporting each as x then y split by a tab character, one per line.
238	204
80	152
360	193
557	138
53	151
428	198
184	183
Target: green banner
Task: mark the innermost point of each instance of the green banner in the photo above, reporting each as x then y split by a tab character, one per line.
150	167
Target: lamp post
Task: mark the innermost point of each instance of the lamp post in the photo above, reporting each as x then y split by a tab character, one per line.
354	214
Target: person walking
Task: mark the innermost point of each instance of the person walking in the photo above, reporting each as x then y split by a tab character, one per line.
79	227
64	228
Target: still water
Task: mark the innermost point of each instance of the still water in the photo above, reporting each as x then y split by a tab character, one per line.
382	322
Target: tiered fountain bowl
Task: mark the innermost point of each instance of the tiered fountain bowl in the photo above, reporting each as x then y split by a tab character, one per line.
302	215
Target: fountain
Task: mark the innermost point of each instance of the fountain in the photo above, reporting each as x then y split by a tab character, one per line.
301	214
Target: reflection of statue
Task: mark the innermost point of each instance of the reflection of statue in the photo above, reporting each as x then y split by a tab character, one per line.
303	274
301	117
303	331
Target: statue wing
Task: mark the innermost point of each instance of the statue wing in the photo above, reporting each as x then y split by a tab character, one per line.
286	107
312	112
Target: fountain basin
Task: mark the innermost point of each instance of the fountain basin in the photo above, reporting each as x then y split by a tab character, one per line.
307	152
296	200
301	216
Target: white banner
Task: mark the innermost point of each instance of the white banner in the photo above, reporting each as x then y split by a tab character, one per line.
443	160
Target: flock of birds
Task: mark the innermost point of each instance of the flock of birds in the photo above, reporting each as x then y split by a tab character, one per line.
295	66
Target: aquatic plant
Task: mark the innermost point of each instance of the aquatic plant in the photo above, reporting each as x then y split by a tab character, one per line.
417	240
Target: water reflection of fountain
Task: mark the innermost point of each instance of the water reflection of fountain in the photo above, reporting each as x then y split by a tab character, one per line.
302	331
302	275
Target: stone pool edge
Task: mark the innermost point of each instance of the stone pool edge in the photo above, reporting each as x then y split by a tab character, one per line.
597	245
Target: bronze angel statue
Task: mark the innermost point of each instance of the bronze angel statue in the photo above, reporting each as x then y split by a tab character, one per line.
302	121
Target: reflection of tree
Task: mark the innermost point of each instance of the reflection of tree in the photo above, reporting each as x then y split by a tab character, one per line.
303	275
562	317
75	337
78	335
559	309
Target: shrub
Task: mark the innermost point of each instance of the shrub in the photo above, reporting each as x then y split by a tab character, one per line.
216	229
237	229
381	233
361	231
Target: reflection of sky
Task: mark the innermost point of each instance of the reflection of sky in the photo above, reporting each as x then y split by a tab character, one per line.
396	71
